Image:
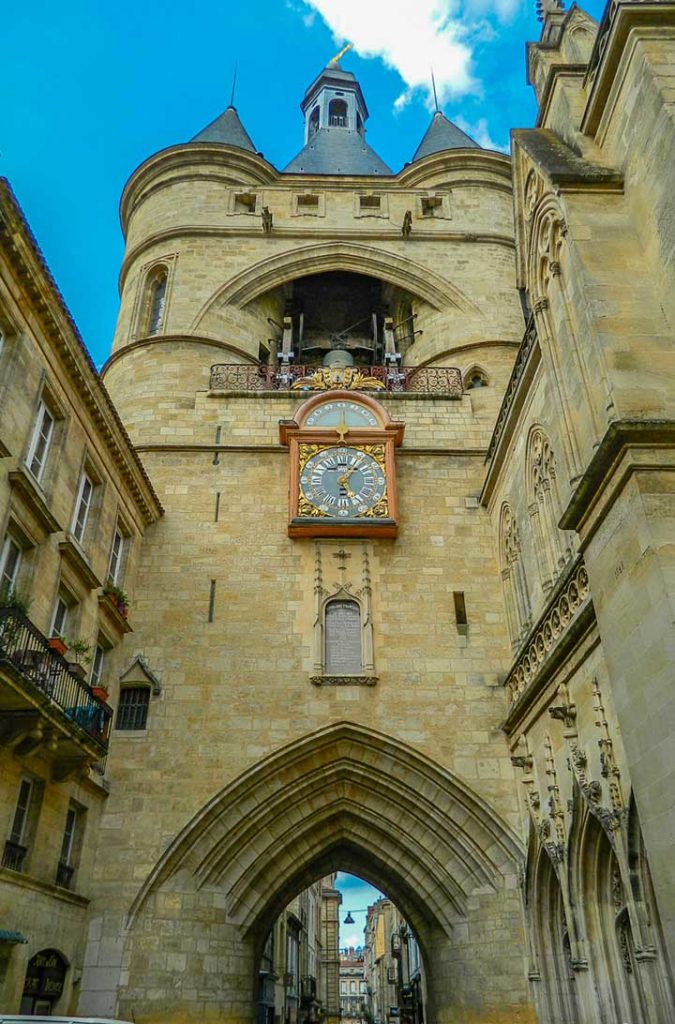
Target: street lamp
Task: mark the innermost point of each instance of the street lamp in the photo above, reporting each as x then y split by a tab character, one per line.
358	910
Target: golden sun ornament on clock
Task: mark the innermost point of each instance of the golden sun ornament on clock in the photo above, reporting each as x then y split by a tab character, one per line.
342	468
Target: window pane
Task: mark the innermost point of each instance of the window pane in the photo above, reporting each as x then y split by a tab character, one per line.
60	617
343	638
82	509
97	665
68	836
9	568
21	812
132	712
114	571
42	436
157	305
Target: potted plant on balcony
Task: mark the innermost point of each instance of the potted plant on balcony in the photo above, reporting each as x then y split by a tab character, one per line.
118	598
58	644
100	692
10	625
80	652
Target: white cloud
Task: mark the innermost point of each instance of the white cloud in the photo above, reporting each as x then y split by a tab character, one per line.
412	36
480	132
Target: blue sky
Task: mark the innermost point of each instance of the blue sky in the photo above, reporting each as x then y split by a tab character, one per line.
357	896
91	89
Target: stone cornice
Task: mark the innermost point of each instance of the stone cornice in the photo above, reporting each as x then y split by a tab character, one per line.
171	339
389	233
458	161
24	881
620	17
27	262
32	494
557	72
278	449
624	450
252	168
566	618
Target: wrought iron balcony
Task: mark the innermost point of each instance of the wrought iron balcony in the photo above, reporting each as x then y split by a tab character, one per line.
438	380
43	702
13	855
308	989
64	874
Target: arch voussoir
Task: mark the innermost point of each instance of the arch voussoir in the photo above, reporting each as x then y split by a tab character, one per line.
324	257
340	776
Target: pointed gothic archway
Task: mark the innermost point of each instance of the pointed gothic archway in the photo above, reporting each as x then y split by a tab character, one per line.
349	798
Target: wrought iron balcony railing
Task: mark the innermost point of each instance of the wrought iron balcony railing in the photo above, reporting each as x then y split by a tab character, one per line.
64	874
13	855
440	380
29	653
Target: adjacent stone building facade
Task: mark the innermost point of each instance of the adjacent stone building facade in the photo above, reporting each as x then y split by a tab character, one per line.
473	710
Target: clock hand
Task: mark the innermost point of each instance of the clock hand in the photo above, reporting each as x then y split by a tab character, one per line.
342	480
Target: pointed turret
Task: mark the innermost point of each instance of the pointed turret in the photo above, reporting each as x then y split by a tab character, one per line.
335	115
442	134
228	130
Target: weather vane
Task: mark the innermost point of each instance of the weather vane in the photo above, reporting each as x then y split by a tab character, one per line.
343	51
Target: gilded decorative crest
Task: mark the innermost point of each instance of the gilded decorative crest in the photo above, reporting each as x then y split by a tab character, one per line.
348	377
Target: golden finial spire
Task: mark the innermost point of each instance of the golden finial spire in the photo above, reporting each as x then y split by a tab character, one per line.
343	51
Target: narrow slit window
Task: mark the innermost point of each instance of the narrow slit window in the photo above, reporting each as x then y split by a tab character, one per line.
157	303
460	608
343	638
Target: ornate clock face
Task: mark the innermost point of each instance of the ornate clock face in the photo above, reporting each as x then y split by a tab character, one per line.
344	482
334	414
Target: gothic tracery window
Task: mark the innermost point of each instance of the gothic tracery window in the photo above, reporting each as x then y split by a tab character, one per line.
156	301
476	378
553	551
516	594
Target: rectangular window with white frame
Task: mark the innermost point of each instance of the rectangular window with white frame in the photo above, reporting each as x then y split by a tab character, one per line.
71	845
115	568
16	846
82	509
98	665
68	837
61	617
10	563
38	450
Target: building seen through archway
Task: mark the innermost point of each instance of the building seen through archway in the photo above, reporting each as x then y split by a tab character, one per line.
325	959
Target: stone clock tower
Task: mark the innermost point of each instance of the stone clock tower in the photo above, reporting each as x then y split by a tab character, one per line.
363	401
292	346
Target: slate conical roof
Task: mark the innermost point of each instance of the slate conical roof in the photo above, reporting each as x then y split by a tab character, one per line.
443	134
337	151
228	130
